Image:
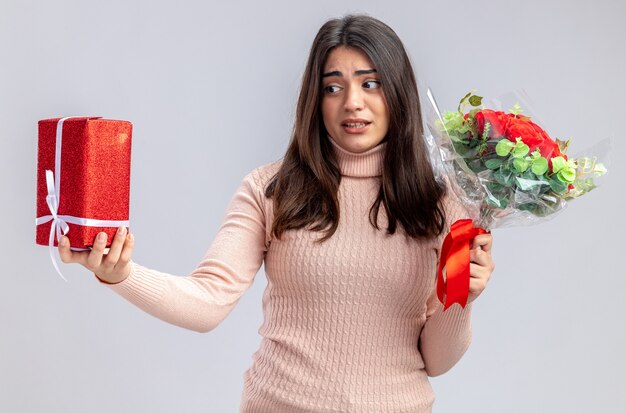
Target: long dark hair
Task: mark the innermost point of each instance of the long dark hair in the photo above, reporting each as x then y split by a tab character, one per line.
304	190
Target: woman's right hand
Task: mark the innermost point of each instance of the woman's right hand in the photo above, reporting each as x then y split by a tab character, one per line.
110	268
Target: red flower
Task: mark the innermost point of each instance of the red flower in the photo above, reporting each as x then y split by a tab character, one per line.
513	126
531	134
498	120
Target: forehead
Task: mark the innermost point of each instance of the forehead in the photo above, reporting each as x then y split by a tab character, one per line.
347	58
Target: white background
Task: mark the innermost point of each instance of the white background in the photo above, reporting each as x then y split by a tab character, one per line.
211	88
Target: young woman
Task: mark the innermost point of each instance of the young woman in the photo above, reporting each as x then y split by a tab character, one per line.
349	226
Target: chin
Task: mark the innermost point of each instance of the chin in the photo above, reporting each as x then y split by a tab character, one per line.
359	147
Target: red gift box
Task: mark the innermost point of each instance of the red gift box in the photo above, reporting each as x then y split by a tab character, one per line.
87	187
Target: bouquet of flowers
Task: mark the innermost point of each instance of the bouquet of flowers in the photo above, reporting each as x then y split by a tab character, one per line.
505	168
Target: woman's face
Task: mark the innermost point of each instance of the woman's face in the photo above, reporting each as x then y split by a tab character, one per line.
353	104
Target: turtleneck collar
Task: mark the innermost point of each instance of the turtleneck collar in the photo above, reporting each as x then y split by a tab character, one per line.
360	165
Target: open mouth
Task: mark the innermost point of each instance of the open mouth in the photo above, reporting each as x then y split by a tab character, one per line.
355	125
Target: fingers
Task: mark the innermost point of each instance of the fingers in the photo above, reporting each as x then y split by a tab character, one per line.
478	281
94	259
121	250
481	265
69	256
481	257
479	272
110	260
483	241
64	250
127	250
481	251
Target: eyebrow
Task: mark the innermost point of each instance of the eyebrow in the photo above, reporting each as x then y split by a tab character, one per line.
358	73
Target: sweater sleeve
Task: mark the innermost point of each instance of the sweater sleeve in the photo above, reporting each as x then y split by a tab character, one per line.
201	300
447	335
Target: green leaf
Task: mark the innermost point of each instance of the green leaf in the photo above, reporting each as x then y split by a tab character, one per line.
526	184
558	186
572	164
475	100
520	164
504	147
493	163
494	202
539	166
516	109
454	124
498	202
486	130
466	151
558	163
476	165
563	145
459	138
494	186
462	102
529	175
504	177
520	150
599	169
504	202
567	175
528	206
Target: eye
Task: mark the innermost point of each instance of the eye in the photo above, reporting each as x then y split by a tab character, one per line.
372	84
332	89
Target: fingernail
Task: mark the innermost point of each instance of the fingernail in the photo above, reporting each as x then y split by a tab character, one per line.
102	236
63	241
121	230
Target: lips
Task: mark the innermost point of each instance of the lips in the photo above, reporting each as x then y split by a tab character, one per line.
355	126
355	123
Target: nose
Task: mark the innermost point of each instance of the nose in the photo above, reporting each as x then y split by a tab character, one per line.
354	99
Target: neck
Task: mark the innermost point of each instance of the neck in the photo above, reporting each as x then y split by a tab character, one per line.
360	165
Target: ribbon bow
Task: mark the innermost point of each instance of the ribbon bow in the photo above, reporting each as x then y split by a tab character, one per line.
455	258
58	224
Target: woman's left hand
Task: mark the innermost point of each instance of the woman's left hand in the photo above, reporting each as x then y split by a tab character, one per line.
481	265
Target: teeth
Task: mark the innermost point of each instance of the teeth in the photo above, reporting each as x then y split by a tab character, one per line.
355	125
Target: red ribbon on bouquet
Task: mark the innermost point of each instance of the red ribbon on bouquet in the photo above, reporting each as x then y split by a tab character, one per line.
455	258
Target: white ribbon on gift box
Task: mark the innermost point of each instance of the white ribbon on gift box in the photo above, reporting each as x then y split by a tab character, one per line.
59	222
